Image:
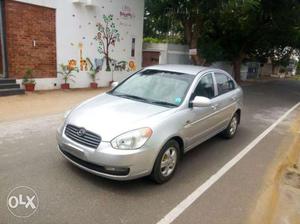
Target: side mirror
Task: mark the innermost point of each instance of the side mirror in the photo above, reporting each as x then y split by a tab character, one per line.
114	84
201	101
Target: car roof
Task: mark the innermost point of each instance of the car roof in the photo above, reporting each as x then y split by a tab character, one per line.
188	69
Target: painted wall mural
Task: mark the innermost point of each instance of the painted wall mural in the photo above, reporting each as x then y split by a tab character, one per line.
112	45
126	16
99	63
131	66
127	13
107	36
72	64
83	62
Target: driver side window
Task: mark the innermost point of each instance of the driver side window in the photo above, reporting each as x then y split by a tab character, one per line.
205	87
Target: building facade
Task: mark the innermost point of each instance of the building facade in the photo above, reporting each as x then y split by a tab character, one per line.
42	34
165	53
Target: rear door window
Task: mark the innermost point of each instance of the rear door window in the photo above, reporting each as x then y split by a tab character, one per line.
224	83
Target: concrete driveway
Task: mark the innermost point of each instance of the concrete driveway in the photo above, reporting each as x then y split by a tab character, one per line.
28	157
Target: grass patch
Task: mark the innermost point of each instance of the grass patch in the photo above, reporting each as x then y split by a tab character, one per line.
296	77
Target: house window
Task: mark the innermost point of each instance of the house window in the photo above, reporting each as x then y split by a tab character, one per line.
133	47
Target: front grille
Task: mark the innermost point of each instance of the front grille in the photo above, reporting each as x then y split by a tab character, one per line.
82	136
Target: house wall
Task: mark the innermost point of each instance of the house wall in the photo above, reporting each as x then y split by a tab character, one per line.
30	39
169	53
75	38
227	66
161	48
178	54
224	65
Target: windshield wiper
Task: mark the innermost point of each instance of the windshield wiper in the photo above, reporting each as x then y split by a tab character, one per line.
164	103
131	97
128	96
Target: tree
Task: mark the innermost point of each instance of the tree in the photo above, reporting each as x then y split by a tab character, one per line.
282	34
251	29
183	18
107	36
281	57
232	30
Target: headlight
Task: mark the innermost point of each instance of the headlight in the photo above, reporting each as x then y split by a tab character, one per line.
132	140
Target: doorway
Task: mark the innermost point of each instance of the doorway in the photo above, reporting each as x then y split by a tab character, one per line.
150	58
3	59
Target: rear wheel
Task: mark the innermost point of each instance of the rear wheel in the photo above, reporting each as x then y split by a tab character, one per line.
166	162
230	131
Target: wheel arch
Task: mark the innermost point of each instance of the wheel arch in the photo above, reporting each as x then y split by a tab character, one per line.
239	113
180	141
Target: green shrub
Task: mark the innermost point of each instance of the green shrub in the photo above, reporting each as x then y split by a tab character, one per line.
169	40
27	78
67	72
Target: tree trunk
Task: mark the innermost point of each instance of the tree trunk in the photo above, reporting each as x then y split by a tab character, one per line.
274	69
107	63
197	59
237	69
191	37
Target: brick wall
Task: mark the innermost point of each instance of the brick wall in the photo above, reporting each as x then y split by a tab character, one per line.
24	24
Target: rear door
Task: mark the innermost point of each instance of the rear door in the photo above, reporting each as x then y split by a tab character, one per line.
225	100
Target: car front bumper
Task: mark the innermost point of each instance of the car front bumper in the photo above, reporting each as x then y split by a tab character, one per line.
106	161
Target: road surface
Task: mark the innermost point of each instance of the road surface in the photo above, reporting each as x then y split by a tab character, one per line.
28	157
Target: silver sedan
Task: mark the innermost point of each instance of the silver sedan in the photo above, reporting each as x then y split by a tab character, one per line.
145	124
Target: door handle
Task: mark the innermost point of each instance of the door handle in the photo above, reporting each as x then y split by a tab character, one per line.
214	107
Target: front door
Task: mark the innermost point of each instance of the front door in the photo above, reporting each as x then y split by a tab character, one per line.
202	119
1	62
2	42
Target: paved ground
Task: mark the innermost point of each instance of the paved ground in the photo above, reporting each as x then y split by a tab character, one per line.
41	103
28	156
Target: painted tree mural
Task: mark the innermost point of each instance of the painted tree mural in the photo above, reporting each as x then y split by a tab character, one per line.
106	37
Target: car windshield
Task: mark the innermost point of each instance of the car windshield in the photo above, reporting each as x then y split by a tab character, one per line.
157	87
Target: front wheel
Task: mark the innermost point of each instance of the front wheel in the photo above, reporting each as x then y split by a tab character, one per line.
166	162
231	129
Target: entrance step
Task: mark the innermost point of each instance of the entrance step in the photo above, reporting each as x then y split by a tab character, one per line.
10	92
10	87
6	81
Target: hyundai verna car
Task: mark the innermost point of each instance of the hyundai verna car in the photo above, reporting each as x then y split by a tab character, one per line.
146	123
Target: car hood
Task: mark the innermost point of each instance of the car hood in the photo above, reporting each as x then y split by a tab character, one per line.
110	116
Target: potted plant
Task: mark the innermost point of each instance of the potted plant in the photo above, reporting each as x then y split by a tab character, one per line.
67	74
93	74
28	80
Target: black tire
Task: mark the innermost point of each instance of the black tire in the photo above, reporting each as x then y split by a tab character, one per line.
228	133
157	174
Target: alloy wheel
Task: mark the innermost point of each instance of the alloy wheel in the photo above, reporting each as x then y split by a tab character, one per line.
168	161
233	125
